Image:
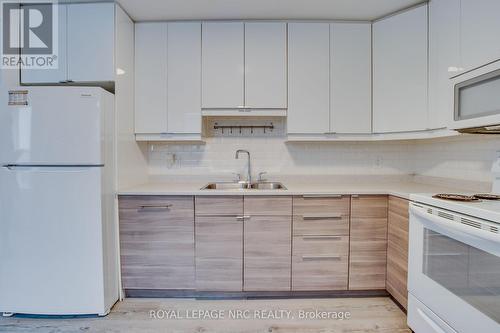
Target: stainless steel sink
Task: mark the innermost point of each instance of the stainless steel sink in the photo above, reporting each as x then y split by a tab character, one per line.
268	186
225	186
242	186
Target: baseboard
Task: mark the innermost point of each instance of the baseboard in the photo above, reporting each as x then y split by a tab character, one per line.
167	293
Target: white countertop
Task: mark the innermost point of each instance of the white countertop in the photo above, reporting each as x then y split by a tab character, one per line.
401	186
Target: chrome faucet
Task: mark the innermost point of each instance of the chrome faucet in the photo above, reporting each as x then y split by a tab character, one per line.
249	175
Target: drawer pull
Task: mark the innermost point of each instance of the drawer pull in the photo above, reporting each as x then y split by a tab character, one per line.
146	208
322	196
321	216
321	237
242	218
320	258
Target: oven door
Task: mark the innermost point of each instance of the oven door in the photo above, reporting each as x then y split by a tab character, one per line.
454	268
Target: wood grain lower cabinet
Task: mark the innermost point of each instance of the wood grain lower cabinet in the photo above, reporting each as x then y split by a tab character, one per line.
320	263
327	215
267	253
267	243
368	246
219	243
397	250
219	253
157	242
320	244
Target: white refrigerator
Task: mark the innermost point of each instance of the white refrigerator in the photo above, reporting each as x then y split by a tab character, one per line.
58	229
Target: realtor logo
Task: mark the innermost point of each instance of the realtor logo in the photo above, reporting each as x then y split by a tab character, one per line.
29	34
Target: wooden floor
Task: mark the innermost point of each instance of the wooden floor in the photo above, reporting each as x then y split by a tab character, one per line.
378	314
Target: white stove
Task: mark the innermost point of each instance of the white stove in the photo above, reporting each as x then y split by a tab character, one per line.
482	209
454	266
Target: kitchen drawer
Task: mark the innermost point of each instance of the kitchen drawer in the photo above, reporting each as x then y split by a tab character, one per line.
320	263
268	205
319	205
219	205
174	204
157	242
321	224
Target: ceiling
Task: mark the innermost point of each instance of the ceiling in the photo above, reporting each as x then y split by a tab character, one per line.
156	10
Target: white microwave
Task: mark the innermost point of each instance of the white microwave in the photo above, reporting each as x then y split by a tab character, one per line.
477	100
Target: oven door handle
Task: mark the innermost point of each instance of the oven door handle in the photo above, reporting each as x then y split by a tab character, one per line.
453	226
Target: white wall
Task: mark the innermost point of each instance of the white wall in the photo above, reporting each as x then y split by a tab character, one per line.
463	158
131	156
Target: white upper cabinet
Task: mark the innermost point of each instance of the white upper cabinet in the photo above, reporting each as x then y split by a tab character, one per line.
51	75
308	78
480	32
86	41
184	77
167	79
400	72
350	65
150	78
223	65
265	65
91	36
444	59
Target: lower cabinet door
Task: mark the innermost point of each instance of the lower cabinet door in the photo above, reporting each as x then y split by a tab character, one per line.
267	253
320	263
157	242
219	253
397	250
368	243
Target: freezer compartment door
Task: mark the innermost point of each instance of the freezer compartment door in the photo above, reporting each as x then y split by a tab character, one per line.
59	125
51	241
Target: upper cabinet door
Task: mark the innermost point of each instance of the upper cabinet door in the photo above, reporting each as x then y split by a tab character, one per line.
308	78
91	36
265	65
351	87
58	75
184	77
150	78
223	65
480	32
444	59
400	72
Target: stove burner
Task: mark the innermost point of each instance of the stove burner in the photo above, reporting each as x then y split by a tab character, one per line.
487	196
456	197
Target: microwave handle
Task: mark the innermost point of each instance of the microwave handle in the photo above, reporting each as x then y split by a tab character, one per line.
455	226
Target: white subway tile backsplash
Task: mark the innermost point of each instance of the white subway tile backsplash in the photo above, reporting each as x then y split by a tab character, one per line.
463	157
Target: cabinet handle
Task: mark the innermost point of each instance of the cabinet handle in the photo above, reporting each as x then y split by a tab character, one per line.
241	218
150	208
321	237
321	216
320	258
326	196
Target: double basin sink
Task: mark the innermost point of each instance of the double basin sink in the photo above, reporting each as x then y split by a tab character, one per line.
244	186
